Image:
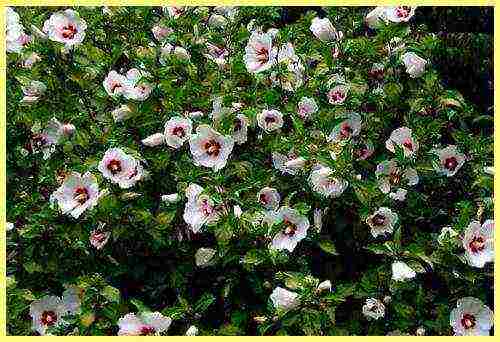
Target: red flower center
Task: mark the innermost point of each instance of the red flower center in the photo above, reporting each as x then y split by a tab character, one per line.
69	31
48	318
212	147
147	330
114	166
337	96
290	228
206	208
99	237
408	144
477	244
345	130
39	140
178	131
262	55
263	199
394	177
237	124
115	85
451	163
403	11
378	220
269	119
468	321
81	195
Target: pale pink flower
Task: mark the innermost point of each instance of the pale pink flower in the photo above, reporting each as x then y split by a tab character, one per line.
161	32
282	163
49	311
284	299
375	17
154	140
270	120
143	324
217	54
324	182
121	168
121	113
210	148
415	65
293	78
471	318
450	160
177	131
337	94
115	83
294	229
399	14
65	27
324	30
199	209
260	55
347	129
136	87
373	309
77	194
98	238
306	107
382	221
33	91
175	11
392	179
269	198
478	241
402	137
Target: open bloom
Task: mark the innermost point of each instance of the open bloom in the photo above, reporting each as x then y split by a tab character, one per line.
15	38
347	129
50	310
382	221
240	129
143	324
269	198
323	182
199	209
450	160
210	148
284	299
373	309
337	94
65	27
294	229
177	131
77	194
398	14
260	55
270	120
46	141
392	179
290	164
306	107
403	138
324	30
99	238
136	87
292	77
121	168
471	318
415	65
161	32
478	242
401	271
115	83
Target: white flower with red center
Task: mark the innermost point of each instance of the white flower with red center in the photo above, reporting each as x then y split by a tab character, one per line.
143	324
347	129
240	129
217	54
382	221
290	164
294	228
65	27
77	194
373	309
177	131
415	65
401	271
306	107
323	182
46	140
338	94
398	14
283	299
270	120
364	150
269	198
136	87
49	311
293	78
324	30
115	83
471	318
478	242
450	160
402	137
392	179
161	32
199	209
260	55
175	11
33	91
210	148
121	168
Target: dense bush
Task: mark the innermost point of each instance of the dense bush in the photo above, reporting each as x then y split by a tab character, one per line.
237	171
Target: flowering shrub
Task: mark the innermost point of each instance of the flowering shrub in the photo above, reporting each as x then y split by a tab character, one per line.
219	171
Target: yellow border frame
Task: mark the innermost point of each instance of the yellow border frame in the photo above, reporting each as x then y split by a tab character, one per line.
3	180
